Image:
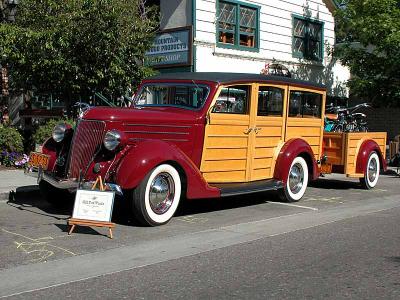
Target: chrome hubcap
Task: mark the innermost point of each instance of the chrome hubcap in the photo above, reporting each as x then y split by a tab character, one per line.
296	178
372	170
161	194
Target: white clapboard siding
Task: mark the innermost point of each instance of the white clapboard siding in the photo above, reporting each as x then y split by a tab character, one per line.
276	34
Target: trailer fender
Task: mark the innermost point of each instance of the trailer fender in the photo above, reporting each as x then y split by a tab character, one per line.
289	151
366	148
148	154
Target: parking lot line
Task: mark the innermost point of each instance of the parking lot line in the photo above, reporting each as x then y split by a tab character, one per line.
295	205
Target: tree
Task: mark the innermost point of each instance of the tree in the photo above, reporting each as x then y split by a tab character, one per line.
77	47
369	35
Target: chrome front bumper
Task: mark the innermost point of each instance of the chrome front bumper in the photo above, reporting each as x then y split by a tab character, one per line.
68	184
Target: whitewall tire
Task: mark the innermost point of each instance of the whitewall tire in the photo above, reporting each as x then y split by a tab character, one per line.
371	172
156	199
297	181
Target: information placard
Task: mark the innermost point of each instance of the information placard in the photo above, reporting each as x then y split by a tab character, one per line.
93	205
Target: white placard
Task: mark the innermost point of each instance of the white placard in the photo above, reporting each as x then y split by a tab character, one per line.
93	205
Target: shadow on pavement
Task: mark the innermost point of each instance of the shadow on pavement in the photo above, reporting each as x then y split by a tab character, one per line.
28	198
334	184
198	206
80	230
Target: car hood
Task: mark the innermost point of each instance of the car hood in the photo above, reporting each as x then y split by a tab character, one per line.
143	115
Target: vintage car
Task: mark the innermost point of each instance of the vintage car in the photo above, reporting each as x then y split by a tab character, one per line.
206	135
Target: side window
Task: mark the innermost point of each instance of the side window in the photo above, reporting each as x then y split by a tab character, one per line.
270	101
233	100
305	104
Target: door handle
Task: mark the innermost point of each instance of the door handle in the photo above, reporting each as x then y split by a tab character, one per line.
257	129
248	130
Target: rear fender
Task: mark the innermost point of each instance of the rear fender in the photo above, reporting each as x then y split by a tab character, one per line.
148	154
366	148
289	151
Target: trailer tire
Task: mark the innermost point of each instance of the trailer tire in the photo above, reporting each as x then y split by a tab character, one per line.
371	172
297	181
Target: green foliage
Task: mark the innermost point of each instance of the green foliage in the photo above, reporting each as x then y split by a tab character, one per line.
43	132
80	46
10	139
369	32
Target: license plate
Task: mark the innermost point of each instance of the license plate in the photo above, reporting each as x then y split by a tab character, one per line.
39	160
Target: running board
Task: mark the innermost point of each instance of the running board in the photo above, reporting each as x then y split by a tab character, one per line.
234	189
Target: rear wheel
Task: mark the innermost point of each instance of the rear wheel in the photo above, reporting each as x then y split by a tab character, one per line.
371	172
157	197
297	181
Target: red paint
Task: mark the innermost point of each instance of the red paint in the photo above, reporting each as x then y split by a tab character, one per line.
50	148
292	149
366	148
148	154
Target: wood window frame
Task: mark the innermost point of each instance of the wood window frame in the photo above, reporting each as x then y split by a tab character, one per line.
306	39
236	32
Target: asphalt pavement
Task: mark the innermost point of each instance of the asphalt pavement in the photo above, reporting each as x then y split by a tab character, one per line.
238	247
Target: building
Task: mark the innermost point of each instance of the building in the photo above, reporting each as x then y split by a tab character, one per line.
250	36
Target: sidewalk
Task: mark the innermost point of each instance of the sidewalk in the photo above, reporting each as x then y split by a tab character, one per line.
17	181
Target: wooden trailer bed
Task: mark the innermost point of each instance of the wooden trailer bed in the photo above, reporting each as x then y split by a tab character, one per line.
341	150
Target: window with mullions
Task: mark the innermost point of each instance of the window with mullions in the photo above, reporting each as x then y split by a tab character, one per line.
307	39
237	25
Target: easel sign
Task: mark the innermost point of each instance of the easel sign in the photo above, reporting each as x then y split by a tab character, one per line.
93	205
93	208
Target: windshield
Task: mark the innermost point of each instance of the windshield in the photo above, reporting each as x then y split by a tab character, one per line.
191	96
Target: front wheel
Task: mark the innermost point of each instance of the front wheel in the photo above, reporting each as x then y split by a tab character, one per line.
156	199
371	172
297	181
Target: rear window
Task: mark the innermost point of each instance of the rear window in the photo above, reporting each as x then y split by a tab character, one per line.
191	96
305	104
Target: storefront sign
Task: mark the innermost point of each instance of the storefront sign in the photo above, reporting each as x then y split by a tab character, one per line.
171	48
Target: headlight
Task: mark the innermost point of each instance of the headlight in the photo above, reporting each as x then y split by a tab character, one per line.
59	132
112	139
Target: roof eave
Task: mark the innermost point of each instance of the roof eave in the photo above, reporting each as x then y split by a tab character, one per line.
332	5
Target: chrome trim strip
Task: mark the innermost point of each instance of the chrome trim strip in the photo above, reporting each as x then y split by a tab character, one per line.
169	140
158	125
158	132
175	140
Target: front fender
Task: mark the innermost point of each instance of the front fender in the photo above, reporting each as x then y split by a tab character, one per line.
289	151
366	148
148	154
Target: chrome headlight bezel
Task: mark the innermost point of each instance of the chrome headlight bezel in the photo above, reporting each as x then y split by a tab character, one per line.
59	131
112	139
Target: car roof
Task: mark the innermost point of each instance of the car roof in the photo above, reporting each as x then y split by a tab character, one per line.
223	78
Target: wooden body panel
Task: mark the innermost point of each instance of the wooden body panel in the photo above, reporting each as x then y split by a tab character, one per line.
353	142
334	146
309	129
244	148
342	148
267	139
225	150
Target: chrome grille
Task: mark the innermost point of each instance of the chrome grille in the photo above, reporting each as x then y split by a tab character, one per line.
88	135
